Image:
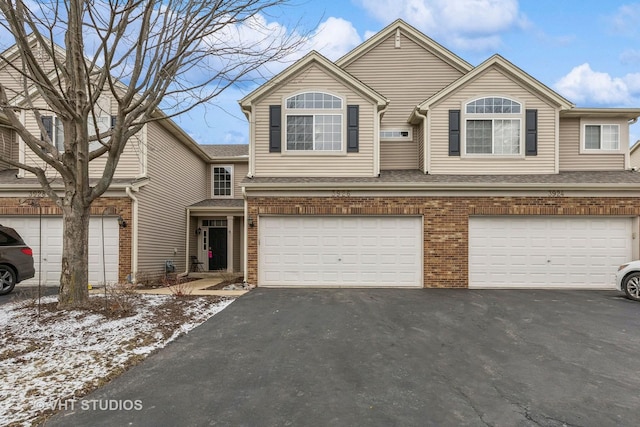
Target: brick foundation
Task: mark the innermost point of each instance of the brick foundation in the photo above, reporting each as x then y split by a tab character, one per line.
122	205
446	222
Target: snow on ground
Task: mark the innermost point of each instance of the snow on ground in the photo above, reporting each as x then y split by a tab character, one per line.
62	355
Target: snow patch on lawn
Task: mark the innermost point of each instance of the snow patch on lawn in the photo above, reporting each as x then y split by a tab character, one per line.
65	354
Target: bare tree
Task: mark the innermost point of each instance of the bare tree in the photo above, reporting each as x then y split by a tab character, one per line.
144	55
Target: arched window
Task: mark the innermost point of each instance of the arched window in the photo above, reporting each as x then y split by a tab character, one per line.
493	126
314	122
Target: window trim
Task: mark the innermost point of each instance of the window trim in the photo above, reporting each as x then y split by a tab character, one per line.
342	112
583	137
466	117
213	181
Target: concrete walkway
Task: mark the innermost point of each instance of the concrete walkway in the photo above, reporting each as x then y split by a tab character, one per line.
196	287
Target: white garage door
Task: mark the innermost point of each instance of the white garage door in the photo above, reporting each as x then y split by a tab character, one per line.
547	251
340	251
51	252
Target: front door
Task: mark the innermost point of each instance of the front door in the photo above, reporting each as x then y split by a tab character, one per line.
217	248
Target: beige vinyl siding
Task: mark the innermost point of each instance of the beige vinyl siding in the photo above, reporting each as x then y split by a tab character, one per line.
240	171
572	160
314	78
175	182
634	159
406	76
491	83
130	164
193	238
8	147
395	155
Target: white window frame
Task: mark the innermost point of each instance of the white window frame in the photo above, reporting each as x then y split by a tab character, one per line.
583	138
314	113
466	117
396	134
213	182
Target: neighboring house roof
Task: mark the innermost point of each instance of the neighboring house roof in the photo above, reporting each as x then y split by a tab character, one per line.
634	147
497	61
226	150
314	57
417	36
413	179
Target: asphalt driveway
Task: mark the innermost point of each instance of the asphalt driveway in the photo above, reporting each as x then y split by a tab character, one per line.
278	357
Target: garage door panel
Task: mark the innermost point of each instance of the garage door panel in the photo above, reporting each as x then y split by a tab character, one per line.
349	251
51	251
550	251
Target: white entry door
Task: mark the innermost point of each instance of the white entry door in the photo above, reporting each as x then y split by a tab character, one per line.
51	250
547	251
337	251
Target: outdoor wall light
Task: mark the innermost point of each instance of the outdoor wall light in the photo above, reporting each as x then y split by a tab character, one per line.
250	222
198	231
121	222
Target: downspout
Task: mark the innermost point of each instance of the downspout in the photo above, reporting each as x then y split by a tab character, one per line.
245	243
425	154
187	264
134	230
376	131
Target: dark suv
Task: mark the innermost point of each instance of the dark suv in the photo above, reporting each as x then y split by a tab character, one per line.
16	260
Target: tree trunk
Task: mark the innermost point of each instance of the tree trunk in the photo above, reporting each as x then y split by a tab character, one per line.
74	278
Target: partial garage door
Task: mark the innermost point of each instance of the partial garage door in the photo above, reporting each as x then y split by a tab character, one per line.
340	251
582	252
51	251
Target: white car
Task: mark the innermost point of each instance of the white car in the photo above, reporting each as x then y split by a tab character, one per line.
628	280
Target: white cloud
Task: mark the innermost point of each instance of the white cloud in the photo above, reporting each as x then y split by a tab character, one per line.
466	24
334	38
630	57
626	20
584	85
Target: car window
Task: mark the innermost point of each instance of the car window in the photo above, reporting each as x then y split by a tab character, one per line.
6	240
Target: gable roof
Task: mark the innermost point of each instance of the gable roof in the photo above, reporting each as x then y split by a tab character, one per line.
313	57
417	36
634	147
497	61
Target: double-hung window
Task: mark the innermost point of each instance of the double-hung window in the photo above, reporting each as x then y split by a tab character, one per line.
601	137
493	126
222	181
314	122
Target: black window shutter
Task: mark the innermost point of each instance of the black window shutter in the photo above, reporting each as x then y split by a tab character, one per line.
275	128
47	123
531	141
353	113
113	121
454	132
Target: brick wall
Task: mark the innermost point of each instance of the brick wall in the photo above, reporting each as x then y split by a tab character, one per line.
119	205
446	222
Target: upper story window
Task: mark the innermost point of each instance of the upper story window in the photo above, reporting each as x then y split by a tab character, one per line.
314	122
222	177
493	126
602	137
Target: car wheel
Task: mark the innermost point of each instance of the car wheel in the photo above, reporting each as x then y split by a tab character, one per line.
631	286
7	280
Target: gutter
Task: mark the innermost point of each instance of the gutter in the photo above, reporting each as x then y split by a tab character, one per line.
245	267
399	186
425	134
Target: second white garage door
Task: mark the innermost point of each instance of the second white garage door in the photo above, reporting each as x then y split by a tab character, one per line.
340	251
51	252
581	252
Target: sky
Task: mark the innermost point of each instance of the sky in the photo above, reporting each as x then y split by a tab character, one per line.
586	50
